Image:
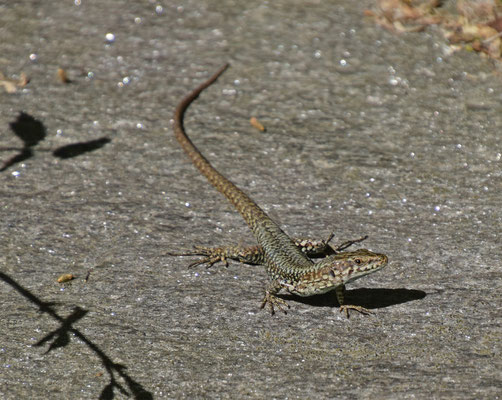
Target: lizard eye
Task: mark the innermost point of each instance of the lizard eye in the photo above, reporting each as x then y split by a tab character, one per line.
358	261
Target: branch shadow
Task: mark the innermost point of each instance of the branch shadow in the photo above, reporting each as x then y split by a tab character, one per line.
60	337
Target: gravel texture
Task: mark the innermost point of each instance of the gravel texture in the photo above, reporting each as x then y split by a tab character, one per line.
393	136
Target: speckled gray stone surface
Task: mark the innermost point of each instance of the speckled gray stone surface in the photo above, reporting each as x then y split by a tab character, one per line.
367	133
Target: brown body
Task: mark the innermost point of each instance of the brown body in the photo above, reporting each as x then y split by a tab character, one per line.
288	266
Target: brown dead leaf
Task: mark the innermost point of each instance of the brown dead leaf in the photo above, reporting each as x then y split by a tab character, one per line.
63	77
492	47
474	26
402	16
11	85
486	32
496	24
257	124
65	278
476	11
398	10
23	80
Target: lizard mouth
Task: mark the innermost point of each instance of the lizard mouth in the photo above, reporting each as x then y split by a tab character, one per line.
383	260
378	264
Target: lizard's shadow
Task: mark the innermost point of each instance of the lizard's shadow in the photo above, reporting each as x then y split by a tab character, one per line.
367	298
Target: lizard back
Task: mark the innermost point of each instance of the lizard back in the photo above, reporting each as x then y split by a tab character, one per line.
283	257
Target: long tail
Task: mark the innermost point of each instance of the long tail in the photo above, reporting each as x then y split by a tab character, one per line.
249	210
278	247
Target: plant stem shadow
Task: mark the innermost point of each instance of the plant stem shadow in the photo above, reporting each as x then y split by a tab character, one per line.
60	337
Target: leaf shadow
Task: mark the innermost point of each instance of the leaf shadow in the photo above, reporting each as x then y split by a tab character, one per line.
31	131
77	149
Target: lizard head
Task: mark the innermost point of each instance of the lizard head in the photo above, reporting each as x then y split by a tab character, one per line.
348	266
337	270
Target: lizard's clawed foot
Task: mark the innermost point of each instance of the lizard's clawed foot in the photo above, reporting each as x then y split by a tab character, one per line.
360	309
273	301
211	256
348	243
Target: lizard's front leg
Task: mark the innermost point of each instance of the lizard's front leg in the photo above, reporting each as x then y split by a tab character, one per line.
272	301
340	296
254	255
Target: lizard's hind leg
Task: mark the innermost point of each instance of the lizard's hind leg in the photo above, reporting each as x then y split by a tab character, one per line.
252	255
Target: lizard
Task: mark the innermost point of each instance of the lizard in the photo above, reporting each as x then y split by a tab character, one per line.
289	265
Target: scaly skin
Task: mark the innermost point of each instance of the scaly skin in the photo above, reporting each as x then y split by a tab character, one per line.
287	265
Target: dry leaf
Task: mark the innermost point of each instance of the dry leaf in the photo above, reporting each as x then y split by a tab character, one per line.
474	26
11	85
257	124
23	80
63	76
65	278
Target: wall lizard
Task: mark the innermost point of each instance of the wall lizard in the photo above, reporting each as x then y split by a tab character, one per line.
289	264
